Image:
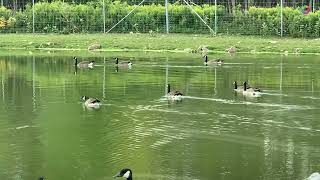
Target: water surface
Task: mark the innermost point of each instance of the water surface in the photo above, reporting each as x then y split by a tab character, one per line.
212	133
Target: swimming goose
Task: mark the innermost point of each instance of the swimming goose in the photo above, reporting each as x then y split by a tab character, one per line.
83	64
126	173
238	89
91	102
173	95
213	61
249	91
126	64
314	176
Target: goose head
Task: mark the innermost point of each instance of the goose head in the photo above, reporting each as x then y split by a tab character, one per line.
84	98
75	60
235	84
125	173
117	60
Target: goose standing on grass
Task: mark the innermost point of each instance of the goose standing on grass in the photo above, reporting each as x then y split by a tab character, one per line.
41	178
83	64
91	102
123	64
125	173
238	89
251	92
174	94
213	61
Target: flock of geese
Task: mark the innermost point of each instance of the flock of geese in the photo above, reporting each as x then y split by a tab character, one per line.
174	95
91	102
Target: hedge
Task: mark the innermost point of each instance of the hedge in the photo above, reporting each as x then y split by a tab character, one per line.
59	17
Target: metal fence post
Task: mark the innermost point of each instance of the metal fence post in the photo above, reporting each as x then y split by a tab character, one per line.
167	17
33	16
215	17
104	17
313	4
281	18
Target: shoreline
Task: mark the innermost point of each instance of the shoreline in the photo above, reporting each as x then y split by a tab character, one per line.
172	43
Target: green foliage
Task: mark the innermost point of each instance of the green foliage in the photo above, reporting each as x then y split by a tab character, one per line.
59	17
266	21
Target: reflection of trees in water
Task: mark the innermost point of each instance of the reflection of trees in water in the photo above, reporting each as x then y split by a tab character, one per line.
24	142
6	66
19	94
18	86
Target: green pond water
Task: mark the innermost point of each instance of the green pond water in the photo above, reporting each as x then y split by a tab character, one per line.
212	134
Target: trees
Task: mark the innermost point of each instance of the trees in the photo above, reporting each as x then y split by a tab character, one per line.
230	5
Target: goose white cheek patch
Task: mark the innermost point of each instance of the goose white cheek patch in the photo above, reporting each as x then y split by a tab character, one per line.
127	174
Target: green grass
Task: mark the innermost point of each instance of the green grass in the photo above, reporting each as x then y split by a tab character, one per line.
159	42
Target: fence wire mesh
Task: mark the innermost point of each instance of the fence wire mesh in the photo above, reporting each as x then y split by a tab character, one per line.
296	18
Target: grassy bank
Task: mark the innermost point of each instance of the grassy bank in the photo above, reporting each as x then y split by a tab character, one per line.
159	42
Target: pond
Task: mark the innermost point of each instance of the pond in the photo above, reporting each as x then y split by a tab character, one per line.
212	133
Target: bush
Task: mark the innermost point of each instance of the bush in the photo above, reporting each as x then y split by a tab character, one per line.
59	17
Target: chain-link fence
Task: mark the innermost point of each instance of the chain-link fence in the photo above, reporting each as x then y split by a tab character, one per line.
298	18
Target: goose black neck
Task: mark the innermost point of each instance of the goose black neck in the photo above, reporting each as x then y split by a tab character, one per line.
117	61
235	85
75	61
245	86
206	59
168	88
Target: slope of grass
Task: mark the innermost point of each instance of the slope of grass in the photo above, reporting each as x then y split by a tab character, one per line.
159	42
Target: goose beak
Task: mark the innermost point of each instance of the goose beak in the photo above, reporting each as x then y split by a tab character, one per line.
117	175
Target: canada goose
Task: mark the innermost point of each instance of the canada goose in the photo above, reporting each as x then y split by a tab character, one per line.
41	178
91	102
126	173
125	64
314	176
203	50
83	64
249	91
231	50
173	95
213	61
238	89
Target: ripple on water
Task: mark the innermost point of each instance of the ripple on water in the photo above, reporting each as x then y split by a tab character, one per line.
175	138
283	106
311	97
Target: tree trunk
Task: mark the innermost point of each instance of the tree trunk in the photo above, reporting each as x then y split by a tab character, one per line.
246	5
14	4
233	2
